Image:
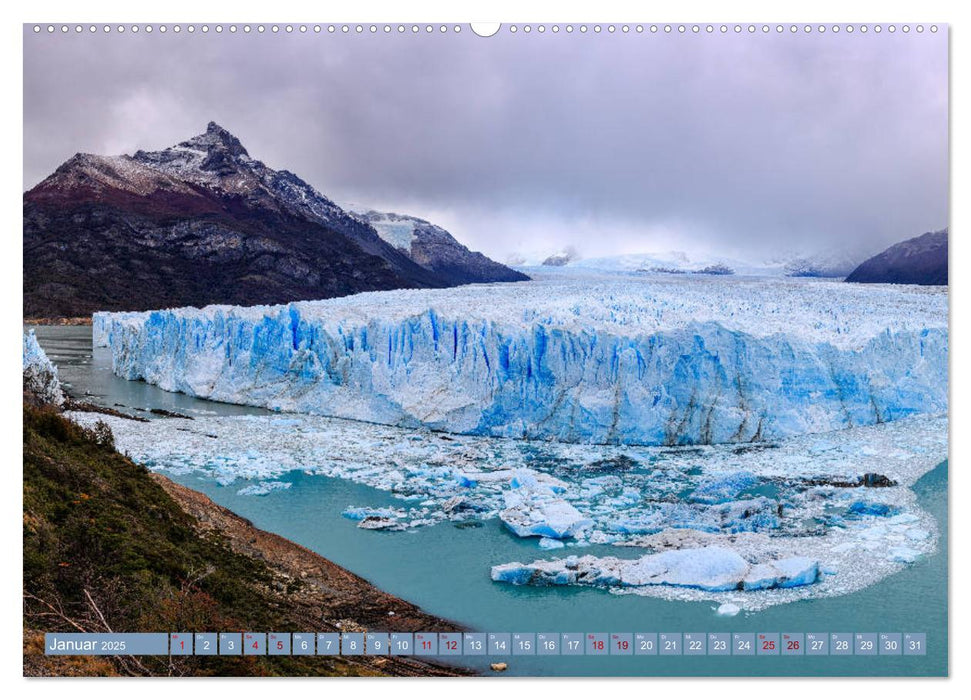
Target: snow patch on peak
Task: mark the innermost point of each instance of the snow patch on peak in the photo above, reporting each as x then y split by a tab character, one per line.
396	229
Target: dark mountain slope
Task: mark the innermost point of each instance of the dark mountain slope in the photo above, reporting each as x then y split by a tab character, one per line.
195	224
920	260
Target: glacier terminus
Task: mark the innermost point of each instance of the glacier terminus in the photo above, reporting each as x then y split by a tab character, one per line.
573	357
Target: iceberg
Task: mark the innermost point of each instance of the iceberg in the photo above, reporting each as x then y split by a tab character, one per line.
708	568
534	510
604	360
728	610
263	488
782	573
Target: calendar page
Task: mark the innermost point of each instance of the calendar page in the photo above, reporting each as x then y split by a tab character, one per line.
518	349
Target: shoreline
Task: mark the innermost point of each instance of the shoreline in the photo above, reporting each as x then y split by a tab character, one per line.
353	602
286	582
58	321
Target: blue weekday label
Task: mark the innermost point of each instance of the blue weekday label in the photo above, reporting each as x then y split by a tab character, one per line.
645	643
474	643
426	643
719	644
254	643
622	644
180	644
571	644
548	644
841	644
915	644
817	644
302	643
206	643
523	644
230	644
278	643
597	644
743	644
328	643
500	643
402	643
792	644
865	644
694	644
352	644
450	644
891	644
669	643
377	643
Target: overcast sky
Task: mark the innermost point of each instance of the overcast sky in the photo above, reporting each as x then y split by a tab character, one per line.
611	143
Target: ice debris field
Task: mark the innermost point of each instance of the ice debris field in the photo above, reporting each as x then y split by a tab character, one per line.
744	525
585	358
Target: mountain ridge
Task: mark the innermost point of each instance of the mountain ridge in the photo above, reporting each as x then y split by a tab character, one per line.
918	260
197	223
436	249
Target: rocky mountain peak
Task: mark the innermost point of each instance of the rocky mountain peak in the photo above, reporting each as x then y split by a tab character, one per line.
216	138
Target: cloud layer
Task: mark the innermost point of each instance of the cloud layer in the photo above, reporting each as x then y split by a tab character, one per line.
522	143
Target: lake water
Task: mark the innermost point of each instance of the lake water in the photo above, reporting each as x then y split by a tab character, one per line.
444	569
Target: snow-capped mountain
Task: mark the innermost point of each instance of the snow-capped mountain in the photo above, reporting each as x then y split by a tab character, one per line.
436	249
677	262
828	264
561	258
838	264
920	260
198	223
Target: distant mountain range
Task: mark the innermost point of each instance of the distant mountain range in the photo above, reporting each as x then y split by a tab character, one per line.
202	222
830	264
920	260
679	263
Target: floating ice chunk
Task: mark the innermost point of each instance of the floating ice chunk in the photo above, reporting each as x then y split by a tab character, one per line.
904	555
373	522
917	534
863	508
642	524
724	487
782	573
728	610
549	543
534	510
263	488
532	514
707	568
362	512
710	568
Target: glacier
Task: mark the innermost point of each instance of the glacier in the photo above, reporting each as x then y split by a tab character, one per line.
40	374
575	357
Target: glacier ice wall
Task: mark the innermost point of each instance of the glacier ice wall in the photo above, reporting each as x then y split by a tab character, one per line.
623	370
40	374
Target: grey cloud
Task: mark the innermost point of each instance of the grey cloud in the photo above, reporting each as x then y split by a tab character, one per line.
612	143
